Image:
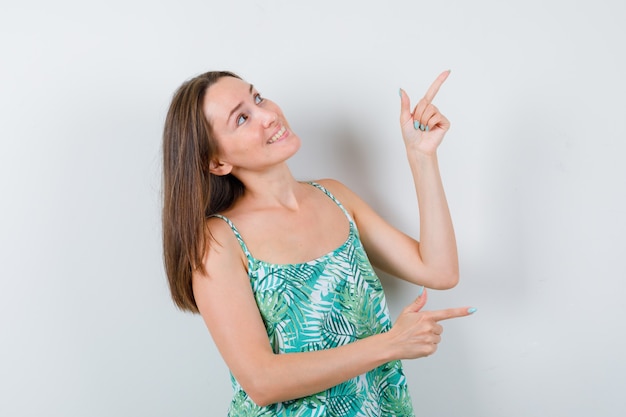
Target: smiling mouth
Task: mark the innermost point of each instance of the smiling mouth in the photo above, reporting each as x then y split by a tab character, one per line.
277	135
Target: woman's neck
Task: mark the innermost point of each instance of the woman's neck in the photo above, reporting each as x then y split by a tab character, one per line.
271	189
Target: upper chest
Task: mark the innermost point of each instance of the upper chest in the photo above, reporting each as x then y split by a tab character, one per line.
283	236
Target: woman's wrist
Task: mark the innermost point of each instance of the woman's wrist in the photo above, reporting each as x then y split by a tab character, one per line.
421	162
386	348
419	151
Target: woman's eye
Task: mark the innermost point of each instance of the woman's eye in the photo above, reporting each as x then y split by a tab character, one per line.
258	99
242	118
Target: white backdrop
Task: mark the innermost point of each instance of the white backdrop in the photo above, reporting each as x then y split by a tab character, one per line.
532	167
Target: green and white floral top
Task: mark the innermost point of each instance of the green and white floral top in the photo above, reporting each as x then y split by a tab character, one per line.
330	301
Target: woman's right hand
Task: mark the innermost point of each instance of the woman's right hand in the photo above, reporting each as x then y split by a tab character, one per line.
417	333
424	128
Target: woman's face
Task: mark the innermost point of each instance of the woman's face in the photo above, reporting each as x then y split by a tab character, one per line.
251	131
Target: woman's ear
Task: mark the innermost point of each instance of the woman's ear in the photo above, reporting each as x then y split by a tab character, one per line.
219	168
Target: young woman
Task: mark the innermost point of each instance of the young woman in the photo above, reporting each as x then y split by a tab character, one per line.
280	269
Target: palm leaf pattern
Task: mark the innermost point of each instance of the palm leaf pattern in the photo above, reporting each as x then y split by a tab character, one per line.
321	304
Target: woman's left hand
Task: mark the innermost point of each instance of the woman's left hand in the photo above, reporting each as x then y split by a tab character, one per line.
424	128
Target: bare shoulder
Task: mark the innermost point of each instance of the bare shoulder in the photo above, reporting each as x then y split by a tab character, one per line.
348	198
220	235
337	188
219	231
223	252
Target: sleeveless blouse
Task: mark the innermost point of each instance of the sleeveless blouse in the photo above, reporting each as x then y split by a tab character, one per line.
324	303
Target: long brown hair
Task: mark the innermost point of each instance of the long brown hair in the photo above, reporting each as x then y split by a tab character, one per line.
190	191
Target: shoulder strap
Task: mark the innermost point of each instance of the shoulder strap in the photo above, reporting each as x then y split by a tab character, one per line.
243	245
332	197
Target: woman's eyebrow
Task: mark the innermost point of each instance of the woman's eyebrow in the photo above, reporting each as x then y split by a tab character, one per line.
239	105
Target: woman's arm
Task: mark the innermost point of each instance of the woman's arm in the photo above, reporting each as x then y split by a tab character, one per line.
433	261
225	300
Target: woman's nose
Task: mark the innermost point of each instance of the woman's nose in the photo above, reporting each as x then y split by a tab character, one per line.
268	117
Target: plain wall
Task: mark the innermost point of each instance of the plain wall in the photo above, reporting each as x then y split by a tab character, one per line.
533	168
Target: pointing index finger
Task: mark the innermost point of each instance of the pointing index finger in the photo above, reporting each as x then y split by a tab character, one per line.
451	313
434	87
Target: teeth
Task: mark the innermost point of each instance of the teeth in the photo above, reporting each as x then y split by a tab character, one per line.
277	135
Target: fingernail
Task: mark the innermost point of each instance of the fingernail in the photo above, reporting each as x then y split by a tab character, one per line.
427	128
422	128
400	92
420	291
472	310
416	125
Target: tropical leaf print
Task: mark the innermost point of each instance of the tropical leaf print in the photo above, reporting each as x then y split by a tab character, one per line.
337	330
328	302
345	400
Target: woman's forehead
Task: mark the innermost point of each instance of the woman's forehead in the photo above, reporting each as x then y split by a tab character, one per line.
228	86
225	95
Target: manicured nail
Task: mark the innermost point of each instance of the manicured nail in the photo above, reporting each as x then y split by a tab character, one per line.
472	310
416	125
427	128
422	128
400	92
420	291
